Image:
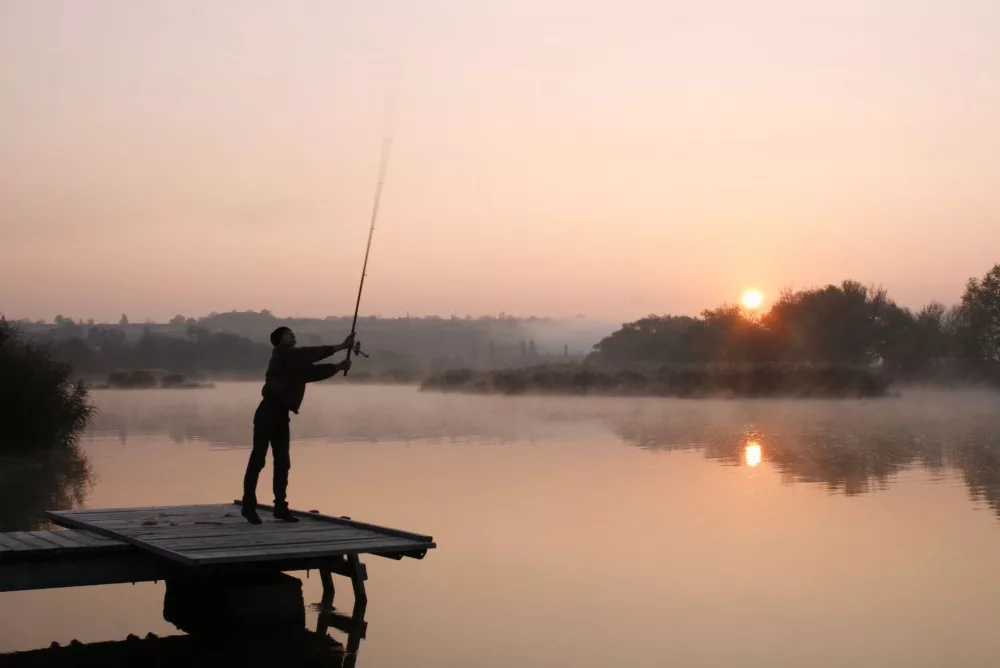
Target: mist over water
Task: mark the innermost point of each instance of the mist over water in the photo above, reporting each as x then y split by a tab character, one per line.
701	533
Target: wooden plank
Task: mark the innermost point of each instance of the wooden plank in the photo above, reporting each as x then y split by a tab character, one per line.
219	513
136	517
184	544
248	530
27	545
134	527
306	550
271	551
313	551
267	538
161	520
72	522
140	509
12	544
258	542
361	525
54	538
92	540
244	536
239	528
244	528
36	543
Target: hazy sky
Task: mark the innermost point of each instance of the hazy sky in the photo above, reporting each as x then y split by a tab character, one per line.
551	157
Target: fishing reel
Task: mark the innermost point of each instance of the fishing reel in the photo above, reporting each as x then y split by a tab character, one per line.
357	349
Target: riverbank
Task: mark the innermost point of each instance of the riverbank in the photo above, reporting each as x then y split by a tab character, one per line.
735	380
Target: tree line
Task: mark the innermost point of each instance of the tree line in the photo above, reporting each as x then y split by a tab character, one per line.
847	324
195	350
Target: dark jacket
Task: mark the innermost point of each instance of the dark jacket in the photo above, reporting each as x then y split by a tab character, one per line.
290	369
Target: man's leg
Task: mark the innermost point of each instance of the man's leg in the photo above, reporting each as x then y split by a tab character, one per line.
261	437
281	446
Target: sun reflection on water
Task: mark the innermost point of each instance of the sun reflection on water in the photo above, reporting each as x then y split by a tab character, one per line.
752	454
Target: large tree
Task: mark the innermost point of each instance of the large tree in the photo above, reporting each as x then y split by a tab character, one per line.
979	318
845	324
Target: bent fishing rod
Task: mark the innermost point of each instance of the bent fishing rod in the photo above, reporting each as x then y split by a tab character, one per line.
383	166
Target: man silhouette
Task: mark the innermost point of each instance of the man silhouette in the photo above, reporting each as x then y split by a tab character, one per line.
288	372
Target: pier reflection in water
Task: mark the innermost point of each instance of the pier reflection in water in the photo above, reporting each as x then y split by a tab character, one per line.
244	622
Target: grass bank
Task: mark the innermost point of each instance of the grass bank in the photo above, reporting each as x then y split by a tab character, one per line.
701	381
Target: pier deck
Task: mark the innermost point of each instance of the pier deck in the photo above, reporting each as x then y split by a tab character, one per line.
207	535
119	545
22	545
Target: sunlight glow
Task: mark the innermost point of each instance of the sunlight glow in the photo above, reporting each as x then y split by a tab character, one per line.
753	454
752	299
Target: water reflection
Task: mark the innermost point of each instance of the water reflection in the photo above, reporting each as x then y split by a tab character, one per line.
844	456
247	625
56	478
752	454
222	416
850	447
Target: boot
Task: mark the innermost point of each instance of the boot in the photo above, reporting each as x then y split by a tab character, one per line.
282	513
251	516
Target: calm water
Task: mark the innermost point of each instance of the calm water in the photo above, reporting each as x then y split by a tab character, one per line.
596	532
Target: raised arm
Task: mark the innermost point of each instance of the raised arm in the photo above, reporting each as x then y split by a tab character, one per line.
310	354
317	372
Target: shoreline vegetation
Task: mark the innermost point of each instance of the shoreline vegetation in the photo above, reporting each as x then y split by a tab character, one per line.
840	340
43	412
141	379
847	340
40	403
687	382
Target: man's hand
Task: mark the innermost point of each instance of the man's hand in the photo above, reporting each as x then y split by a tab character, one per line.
345	366
348	342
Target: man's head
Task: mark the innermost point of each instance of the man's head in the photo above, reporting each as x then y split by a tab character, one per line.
282	337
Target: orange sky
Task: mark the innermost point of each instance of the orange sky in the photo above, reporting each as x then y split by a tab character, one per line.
551	158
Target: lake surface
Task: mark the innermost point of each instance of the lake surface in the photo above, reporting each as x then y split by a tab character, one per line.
595	531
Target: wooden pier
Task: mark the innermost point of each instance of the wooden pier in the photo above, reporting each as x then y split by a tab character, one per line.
120	545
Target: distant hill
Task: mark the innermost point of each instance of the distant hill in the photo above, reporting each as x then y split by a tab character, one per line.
413	345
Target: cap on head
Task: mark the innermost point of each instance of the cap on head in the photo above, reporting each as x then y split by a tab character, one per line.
279	334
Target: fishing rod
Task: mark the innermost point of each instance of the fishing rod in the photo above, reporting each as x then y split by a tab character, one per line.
383	166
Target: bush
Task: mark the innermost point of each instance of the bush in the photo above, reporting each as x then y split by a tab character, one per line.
173	380
40	406
131	379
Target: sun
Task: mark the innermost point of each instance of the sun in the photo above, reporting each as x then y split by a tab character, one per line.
752	299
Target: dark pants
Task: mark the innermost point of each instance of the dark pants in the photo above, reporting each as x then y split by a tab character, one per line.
270	427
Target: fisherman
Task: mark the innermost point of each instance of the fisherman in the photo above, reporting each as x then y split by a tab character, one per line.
288	372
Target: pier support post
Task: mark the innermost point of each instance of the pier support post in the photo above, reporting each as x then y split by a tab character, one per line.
358	576
328	589
350	567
